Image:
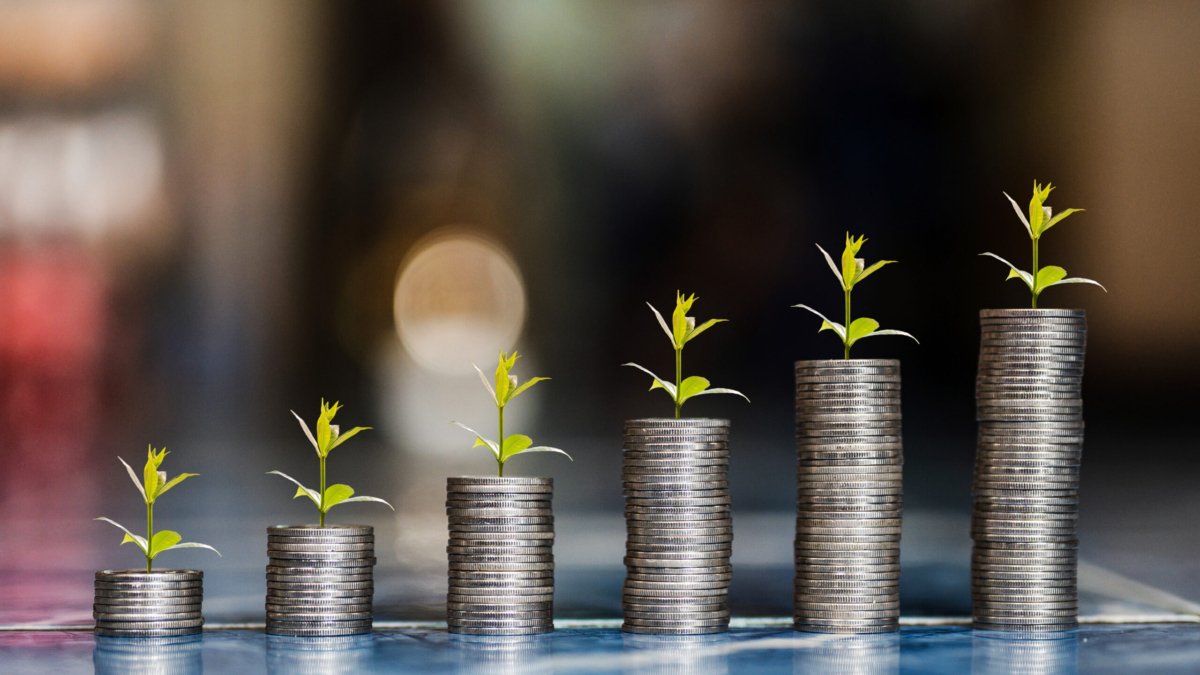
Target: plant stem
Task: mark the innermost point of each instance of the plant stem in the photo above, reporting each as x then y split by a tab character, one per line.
321	508
499	460
678	378
1035	271
846	340
149	533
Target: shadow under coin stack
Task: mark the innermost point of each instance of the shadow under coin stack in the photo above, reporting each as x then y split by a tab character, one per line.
850	460
1026	490
164	603
320	580
679	526
501	554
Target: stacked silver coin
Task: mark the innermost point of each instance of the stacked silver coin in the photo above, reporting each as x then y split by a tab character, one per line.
849	492
320	580
1026	489
163	603
501	554
679	526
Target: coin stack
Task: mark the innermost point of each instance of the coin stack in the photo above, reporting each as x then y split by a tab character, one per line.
163	603
679	526
320	580
1026	490
849	496
501	554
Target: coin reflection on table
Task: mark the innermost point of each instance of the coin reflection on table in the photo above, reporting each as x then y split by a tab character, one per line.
996	653
675	654
849	655
134	656
319	655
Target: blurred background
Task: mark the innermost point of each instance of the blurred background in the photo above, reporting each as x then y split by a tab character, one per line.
214	212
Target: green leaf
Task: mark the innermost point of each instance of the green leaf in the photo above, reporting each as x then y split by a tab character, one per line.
833	266
365	498
313	495
889	331
480	440
307	432
546	448
703	327
324	423
150	474
860	328
342	438
1048	276
514	445
1037	211
873	268
1014	271
503	383
1020	214
1078	280
133	477
1056	219
826	324
486	385
191	544
336	494
659	383
850	263
129	536
679	318
662	323
173	482
526	385
691	387
163	540
722	390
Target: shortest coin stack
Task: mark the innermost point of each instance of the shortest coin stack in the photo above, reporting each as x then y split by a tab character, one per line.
679	526
164	603
501	555
320	580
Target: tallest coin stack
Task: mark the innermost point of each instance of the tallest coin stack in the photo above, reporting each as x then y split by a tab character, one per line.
1026	491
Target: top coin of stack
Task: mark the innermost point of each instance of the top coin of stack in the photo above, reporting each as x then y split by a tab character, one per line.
320	580
163	603
849	495
1026	488
501	555
679	526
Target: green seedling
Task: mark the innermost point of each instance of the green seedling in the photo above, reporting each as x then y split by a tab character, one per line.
683	329
153	485
853	271
327	438
505	390
1040	219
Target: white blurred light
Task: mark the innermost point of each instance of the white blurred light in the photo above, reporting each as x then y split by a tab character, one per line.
459	299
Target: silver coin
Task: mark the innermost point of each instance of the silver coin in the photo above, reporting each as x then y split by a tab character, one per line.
123	605
273	548
485	603
500	567
679	502
676	435
503	492
633	462
145	633
153	624
642	422
499	481
141	576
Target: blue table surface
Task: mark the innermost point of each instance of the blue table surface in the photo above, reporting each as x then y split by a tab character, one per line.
1166	648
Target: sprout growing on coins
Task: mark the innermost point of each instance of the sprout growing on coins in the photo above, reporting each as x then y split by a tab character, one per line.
1040	219
153	485
853	271
505	390
327	438
683	329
